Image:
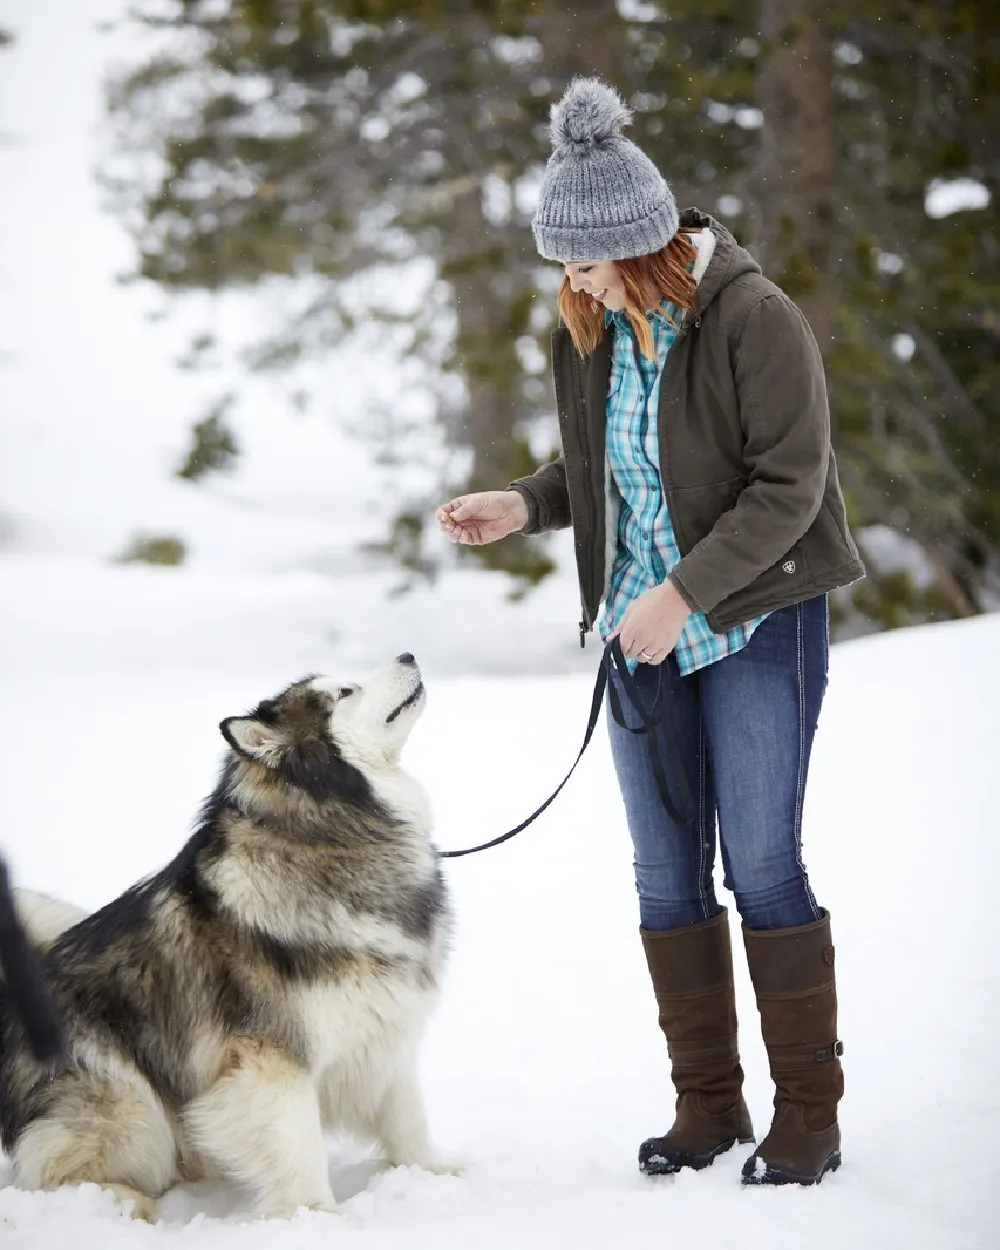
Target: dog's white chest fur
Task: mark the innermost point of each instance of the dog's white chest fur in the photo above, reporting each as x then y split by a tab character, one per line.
361	1018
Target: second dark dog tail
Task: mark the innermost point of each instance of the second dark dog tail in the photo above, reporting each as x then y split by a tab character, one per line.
27	991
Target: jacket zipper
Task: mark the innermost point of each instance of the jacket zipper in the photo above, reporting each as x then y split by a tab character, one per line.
683	333
586	451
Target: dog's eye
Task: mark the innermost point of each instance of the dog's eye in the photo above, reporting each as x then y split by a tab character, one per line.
344	691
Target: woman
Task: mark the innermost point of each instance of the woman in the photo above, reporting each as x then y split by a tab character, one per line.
697	473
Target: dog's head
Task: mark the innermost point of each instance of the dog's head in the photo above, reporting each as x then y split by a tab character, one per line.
319	732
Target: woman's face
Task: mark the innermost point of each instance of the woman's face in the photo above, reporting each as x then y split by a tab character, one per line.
600	279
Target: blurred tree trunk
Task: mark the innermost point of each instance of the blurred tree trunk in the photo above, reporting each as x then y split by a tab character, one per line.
491	267
798	184
483	282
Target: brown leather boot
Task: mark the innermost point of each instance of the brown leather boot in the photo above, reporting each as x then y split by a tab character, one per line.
792	973
692	972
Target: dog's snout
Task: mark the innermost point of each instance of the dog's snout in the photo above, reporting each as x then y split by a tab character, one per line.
405	658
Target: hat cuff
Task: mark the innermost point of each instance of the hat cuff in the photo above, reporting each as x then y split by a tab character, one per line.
611	242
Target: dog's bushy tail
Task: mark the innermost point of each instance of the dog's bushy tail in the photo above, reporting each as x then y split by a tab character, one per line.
22	972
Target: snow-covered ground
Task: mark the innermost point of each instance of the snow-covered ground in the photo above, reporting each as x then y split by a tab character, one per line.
544	1067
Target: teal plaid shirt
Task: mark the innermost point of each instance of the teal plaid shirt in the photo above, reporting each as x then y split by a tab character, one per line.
646	548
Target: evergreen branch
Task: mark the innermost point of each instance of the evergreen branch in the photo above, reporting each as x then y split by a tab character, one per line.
946	379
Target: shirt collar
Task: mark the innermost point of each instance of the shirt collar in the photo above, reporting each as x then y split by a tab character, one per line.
620	319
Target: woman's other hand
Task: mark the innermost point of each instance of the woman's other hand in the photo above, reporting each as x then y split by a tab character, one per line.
652	624
483	517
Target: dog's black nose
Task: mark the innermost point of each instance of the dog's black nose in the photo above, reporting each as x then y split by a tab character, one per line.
405	658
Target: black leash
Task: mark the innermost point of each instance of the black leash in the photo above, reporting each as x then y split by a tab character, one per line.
650	718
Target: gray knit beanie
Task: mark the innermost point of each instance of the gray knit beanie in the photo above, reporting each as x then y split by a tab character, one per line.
601	198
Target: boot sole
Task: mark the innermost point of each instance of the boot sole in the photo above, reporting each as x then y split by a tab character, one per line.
774	1176
667	1162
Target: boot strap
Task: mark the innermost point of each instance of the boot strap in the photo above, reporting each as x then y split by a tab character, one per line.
795	1058
686	1053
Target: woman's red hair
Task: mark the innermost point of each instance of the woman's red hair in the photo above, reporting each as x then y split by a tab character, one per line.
648	280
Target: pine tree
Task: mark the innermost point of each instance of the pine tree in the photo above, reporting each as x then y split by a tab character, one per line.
840	117
322	140
335	137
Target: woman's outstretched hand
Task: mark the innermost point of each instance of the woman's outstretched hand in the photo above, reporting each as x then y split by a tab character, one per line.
483	517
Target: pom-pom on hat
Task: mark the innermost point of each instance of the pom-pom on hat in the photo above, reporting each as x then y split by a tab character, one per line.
601	197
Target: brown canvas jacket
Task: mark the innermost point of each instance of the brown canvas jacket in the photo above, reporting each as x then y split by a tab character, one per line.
746	464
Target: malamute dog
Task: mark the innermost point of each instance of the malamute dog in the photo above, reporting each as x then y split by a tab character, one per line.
269	984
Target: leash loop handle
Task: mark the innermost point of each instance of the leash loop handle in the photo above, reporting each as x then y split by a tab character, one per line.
651	718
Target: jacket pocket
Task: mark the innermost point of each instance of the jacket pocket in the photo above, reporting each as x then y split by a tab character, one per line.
694	510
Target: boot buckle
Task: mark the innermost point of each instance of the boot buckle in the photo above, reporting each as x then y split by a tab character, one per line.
826	1054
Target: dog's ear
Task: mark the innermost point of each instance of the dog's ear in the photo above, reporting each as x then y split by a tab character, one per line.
253	739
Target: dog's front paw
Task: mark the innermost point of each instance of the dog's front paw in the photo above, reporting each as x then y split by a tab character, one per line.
437	1164
287	1209
330	1207
444	1167
131	1202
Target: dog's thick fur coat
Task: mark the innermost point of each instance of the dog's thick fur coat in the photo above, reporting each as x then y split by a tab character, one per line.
269	984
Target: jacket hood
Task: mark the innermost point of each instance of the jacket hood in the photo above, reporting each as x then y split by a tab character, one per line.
729	260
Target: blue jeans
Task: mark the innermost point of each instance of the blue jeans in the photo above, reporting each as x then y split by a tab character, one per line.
745	728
